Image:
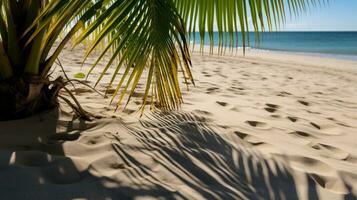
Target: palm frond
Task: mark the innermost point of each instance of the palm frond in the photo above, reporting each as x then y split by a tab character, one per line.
150	37
230	17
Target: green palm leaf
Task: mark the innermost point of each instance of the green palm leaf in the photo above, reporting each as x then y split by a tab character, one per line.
150	37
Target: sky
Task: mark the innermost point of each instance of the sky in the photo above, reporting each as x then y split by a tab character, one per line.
337	15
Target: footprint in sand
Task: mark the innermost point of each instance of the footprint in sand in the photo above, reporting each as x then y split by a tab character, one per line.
331	119
315	125
330	151
212	90
129	111
217	71
331	183
93	140
235	89
221	103
204	72
203	112
352	159
257	124
344	125
313	112
302	134
284	94
310	165
327	129
305	103
249	138
272	108
272	105
293	119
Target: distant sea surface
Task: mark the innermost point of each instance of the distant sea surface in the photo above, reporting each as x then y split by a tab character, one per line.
331	44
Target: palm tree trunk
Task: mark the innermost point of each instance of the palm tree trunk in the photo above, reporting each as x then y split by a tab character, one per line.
21	99
5	66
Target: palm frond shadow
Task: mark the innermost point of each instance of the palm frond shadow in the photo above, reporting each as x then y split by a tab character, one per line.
172	155
185	146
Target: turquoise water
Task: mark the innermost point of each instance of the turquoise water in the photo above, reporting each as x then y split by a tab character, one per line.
343	44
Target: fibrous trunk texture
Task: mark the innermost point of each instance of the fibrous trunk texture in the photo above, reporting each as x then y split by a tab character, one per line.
20	98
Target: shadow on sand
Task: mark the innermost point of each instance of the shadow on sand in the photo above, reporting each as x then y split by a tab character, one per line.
191	161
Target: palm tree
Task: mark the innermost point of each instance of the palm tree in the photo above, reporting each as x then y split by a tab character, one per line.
145	37
26	58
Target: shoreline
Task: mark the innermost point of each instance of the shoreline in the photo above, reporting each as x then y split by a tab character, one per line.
346	57
285	58
238	51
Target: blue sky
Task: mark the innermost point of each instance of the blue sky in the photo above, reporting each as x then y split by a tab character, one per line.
337	15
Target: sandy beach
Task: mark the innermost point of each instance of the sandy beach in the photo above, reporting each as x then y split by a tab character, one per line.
265	126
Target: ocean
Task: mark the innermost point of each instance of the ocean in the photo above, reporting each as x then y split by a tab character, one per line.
332	44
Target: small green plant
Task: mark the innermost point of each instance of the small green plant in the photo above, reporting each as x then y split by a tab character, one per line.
79	75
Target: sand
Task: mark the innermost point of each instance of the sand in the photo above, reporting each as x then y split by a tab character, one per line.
265	126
